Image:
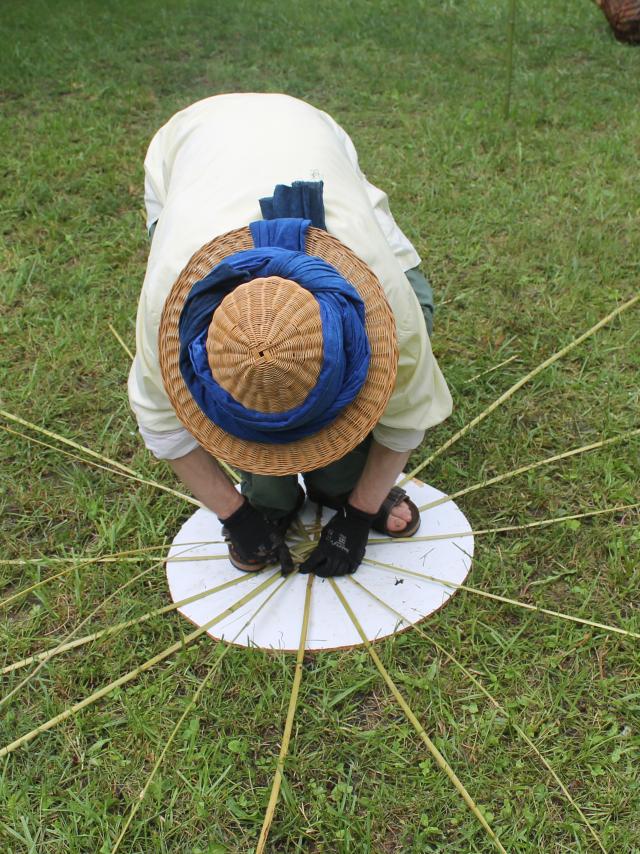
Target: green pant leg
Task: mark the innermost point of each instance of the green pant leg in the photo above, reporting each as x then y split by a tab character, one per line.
424	292
273	495
277	495
340	477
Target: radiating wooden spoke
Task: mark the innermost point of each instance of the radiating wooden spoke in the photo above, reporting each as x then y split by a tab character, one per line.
437	755
521	382
416	627
190	705
133	674
504	599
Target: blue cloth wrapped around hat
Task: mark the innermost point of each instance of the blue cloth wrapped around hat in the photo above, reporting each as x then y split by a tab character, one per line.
279	252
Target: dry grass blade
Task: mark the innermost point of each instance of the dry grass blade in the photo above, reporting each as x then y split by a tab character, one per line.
530	467
113	463
133	674
286	737
110	630
510	40
505	528
190	705
514	388
494	702
504	599
439	758
491	369
121	342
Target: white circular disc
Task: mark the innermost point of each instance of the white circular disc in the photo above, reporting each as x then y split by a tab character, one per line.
193	569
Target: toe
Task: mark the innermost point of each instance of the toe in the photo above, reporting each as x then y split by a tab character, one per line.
395	524
399	517
401	511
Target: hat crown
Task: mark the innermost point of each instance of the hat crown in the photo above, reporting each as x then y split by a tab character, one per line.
265	345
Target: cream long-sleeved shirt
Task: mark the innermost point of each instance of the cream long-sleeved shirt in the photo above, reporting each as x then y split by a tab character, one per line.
205	171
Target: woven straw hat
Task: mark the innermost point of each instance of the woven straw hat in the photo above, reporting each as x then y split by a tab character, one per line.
264	347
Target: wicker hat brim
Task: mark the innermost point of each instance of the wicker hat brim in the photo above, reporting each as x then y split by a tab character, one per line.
356	420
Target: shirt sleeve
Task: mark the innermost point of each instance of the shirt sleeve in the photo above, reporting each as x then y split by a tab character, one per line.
168	444
421	398
397	439
147	396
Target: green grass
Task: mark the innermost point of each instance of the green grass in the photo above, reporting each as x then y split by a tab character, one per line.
529	231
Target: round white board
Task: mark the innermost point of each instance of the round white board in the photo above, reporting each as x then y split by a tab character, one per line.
192	571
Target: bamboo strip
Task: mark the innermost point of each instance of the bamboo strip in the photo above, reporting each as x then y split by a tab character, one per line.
286	737
132	674
190	705
120	469
492	699
65	647
530	467
76	629
439	758
514	388
374	541
298	528
121	342
75	562
6	602
112	558
75	457
83	622
233	474
504	599
101	457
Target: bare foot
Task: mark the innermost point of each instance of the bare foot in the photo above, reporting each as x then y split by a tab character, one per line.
399	517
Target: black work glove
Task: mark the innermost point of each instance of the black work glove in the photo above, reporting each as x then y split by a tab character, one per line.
342	544
256	539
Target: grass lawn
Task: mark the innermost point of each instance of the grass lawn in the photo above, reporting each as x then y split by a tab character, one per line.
529	230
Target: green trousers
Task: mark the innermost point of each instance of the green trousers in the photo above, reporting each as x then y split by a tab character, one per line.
276	496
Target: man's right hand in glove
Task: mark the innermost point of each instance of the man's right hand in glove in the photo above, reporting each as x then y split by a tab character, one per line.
342	544
254	541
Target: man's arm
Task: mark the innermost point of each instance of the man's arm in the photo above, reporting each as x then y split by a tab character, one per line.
202	475
254	542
